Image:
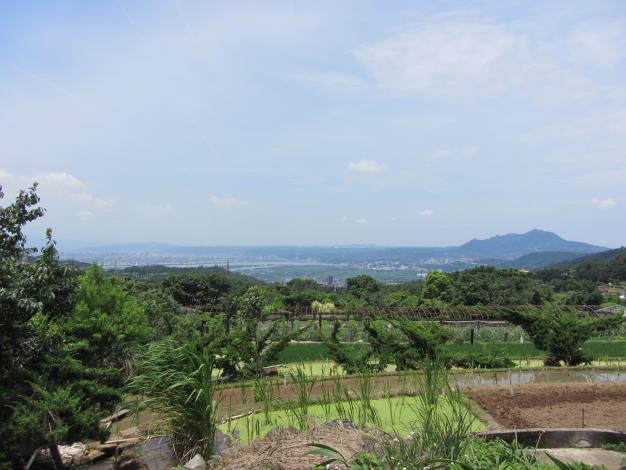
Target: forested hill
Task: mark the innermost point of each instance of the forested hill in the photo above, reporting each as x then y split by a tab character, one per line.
158	271
534	260
608	266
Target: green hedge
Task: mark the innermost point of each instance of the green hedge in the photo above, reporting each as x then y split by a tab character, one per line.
598	348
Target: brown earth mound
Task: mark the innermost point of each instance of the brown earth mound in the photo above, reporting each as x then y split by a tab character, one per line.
288	450
554	405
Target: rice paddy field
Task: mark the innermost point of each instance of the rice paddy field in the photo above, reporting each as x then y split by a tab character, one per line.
397	415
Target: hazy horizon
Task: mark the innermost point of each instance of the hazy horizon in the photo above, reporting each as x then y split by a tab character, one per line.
316	124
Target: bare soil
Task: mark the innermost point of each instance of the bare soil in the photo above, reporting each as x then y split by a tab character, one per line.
553	405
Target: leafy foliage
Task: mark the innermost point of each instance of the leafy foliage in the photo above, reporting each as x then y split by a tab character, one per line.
48	394
108	322
177	381
351	361
561	333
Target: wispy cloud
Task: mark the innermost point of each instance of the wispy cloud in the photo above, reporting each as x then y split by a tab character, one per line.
603	203
58	180
61	188
427	213
367	166
354	220
227	202
465	56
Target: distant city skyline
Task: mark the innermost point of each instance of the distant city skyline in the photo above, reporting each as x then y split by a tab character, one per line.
327	123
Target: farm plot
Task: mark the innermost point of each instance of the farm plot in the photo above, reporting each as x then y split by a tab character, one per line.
598	405
396	415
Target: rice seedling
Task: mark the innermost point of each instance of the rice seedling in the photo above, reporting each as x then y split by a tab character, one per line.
264	393
300	407
366	412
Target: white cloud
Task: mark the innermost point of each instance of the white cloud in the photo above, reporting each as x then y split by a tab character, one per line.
367	166
599	45
58	180
603	177
603	203
227	202
90	201
466	57
359	220
58	188
442	153
469	151
597	125
84	214
427	213
6	177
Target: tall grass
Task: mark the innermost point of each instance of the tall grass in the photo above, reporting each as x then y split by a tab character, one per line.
264	393
299	408
442	424
367	412
176	381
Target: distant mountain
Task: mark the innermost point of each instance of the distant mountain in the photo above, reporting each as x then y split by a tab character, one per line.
515	245
608	256
608	266
533	260
531	250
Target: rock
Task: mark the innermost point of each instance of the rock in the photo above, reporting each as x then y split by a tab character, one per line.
196	463
130	432
76	454
95	455
346	423
221	442
281	432
129	461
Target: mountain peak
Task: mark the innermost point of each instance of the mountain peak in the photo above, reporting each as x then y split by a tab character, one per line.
514	245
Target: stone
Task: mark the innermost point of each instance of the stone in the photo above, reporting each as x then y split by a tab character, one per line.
346	423
129	432
95	454
129	461
196	463
221	442
281	431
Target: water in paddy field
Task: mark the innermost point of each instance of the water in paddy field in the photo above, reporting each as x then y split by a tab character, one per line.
513	377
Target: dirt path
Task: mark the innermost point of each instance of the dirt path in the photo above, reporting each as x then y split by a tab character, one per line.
554	405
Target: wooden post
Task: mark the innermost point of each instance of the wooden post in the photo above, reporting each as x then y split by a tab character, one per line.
56	456
471	335
54	449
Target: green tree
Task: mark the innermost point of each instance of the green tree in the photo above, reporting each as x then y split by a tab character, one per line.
198	290
437	286
561	333
47	395
362	285
161	310
108	323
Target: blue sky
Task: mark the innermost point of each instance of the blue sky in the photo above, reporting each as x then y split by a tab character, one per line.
291	122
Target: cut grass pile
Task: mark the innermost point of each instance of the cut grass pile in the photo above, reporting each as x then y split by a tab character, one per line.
395	414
